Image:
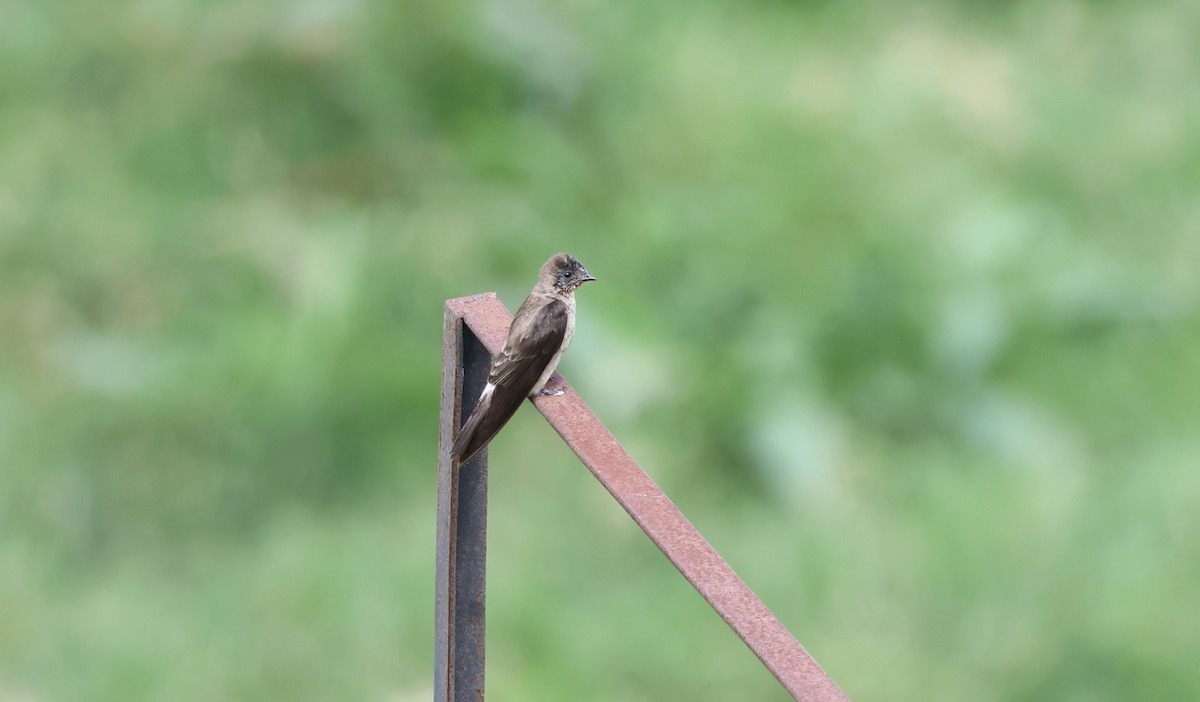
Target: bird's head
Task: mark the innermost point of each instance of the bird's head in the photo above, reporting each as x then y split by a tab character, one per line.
564	273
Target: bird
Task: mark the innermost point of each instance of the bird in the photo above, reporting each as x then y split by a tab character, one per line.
540	333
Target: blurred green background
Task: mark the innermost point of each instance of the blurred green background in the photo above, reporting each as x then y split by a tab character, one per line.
898	302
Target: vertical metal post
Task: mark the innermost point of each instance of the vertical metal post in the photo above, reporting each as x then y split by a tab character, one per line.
462	525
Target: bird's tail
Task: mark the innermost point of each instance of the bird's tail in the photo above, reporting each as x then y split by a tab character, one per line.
466	435
470	440
496	406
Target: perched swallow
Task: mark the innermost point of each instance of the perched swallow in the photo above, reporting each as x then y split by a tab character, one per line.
540	333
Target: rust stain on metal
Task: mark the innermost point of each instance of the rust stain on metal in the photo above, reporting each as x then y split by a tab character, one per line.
662	521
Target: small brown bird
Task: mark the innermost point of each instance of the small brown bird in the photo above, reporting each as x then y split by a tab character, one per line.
540	333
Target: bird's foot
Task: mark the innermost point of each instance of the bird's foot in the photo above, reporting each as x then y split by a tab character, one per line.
550	391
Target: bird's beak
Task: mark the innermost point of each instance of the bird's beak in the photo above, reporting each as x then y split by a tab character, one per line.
586	277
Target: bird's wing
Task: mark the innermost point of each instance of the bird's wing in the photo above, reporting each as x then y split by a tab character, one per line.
533	340
536	335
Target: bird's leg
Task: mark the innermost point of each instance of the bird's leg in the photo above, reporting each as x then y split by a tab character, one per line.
548	391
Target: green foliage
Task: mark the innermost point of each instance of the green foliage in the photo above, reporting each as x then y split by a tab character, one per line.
900	304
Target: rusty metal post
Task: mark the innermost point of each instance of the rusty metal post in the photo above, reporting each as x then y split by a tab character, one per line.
462	525
653	511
